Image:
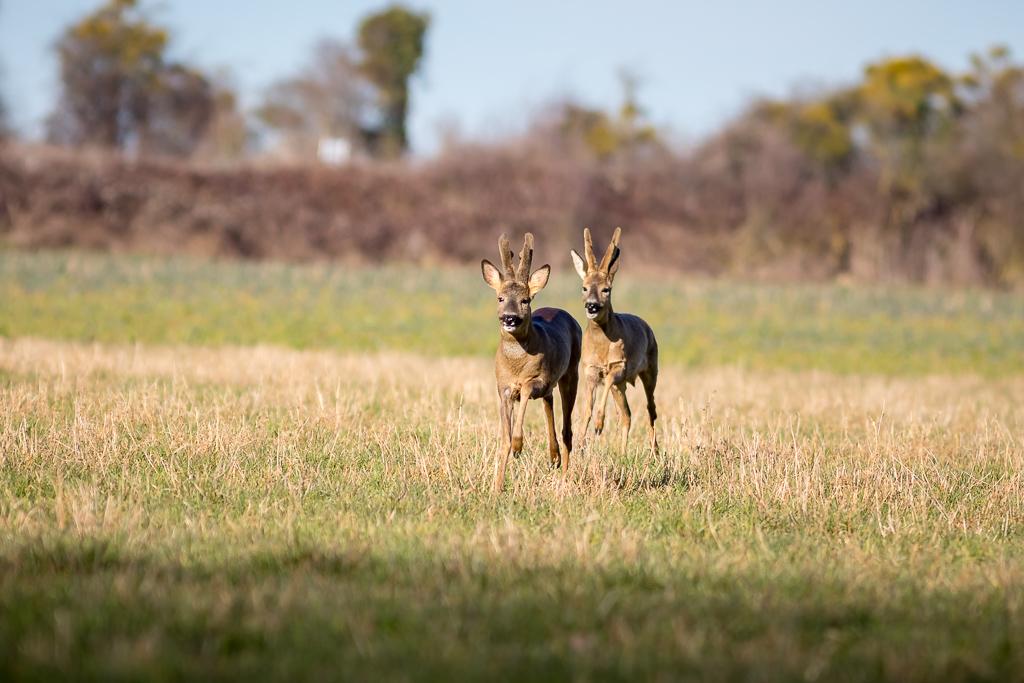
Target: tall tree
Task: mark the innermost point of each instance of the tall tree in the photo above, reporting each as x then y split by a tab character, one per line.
119	90
392	43
328	98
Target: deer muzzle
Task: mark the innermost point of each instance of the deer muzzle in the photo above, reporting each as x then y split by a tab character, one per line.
593	309
510	322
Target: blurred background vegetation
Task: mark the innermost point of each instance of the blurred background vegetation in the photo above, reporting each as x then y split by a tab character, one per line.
913	173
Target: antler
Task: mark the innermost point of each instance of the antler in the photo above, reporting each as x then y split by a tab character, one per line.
525	259
588	249
506	256
613	249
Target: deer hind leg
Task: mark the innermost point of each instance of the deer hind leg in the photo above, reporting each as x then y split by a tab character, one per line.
650	380
549	415
619	396
567	391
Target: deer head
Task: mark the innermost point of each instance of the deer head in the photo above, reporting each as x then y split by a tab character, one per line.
515	287
597	277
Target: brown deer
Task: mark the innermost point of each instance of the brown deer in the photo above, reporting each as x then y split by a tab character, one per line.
536	351
617	347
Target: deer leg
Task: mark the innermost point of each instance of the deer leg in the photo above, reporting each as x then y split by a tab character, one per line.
505	418
510	412
515	442
549	415
602	402
567	391
589	389
619	395
650	380
507	407
517	427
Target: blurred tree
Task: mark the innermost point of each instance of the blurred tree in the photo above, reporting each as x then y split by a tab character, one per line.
909	108
994	89
179	109
605	135
593	127
391	43
329	98
821	128
991	159
635	133
228	136
118	90
906	102
109	63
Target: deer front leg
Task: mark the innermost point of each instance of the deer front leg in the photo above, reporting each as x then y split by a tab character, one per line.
505	418
602	402
517	427
619	396
613	376
592	378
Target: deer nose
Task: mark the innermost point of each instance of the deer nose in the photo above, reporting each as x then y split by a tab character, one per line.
510	319
592	306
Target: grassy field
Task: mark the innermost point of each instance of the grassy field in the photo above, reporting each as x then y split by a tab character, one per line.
210	503
124	299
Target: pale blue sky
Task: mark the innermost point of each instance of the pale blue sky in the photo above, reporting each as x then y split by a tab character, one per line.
490	64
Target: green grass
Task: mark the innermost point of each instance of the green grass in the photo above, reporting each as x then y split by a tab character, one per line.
124	299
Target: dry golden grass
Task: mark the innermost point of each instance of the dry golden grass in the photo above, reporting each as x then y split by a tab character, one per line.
257	510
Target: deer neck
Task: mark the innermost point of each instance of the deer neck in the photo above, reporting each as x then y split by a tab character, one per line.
523	341
606	323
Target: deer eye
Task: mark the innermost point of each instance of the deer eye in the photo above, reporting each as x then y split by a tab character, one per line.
584	290
526	301
606	290
501	299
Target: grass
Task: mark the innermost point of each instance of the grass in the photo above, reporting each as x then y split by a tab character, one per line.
213	504
122	299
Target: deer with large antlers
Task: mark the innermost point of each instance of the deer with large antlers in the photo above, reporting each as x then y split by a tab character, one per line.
617	347
536	351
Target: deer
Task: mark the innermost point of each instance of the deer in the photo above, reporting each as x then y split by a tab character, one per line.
618	348
537	350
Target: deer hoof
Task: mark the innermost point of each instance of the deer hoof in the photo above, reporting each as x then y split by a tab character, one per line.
517	445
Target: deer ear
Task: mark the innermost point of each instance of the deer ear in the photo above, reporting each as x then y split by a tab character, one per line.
614	265
539	279
492	276
579	263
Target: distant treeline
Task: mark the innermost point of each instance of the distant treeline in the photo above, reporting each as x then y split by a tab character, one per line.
913	173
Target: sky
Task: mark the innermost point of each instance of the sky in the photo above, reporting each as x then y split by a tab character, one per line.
491	64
